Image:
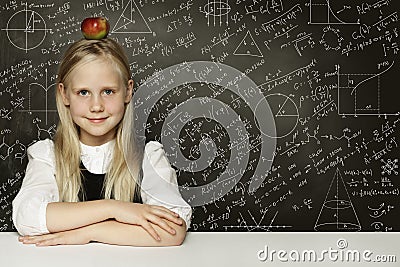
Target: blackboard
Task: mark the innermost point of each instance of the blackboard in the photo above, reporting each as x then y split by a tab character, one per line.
277	115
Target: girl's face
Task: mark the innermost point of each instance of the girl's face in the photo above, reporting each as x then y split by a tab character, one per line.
96	96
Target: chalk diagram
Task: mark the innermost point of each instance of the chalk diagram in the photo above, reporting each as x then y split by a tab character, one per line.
43	133
286	115
46	88
390	166
378	212
217	11
131	20
257	225
337	212
360	94
18	149
26	30
248	47
334	35
321	12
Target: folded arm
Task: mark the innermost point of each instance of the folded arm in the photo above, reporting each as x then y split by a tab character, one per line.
63	216
111	232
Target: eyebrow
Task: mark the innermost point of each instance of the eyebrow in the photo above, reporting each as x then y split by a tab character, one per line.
102	88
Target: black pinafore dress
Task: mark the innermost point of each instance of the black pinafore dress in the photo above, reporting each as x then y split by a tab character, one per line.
92	185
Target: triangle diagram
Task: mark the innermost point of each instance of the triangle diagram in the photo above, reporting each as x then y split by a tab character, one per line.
248	47
286	109
34	18
131	20
30	26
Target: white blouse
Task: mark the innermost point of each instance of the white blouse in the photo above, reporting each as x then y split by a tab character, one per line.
159	184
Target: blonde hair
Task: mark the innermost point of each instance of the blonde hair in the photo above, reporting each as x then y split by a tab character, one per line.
121	178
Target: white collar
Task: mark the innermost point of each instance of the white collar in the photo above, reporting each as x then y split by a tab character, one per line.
96	159
91	150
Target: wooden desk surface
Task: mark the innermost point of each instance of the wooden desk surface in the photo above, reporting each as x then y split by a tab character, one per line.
218	249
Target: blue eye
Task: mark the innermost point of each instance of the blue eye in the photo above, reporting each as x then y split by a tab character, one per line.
83	92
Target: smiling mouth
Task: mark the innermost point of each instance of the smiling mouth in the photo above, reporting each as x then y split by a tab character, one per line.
96	120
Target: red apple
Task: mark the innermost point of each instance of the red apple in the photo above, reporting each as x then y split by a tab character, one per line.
95	28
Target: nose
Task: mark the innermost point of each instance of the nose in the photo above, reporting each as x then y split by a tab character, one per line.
96	104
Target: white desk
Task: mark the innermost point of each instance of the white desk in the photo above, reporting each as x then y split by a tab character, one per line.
209	249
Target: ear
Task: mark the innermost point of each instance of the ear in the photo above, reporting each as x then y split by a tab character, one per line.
64	95
129	92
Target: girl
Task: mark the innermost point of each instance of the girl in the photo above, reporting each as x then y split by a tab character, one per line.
90	183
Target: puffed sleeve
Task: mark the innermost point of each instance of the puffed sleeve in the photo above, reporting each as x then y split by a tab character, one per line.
39	188
159	184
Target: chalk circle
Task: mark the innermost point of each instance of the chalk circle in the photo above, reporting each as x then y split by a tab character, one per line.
29	36
162	82
217	9
286	115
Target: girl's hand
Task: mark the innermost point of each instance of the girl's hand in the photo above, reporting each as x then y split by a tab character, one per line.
144	215
71	237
